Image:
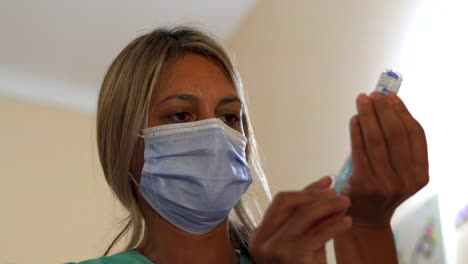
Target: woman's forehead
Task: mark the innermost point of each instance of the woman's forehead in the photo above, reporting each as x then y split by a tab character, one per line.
194	74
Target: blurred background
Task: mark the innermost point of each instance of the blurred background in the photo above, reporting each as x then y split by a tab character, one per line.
303	62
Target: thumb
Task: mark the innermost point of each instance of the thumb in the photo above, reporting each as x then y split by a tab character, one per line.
319	185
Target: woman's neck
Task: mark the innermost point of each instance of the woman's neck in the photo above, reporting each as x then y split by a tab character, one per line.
164	243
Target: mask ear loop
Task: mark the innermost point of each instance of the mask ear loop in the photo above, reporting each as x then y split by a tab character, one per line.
133	180
135	188
145	125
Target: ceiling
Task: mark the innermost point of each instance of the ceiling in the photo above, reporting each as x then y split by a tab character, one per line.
57	51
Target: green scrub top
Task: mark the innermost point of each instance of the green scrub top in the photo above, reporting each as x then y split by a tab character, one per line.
134	257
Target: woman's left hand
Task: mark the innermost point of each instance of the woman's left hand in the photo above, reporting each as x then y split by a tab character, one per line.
389	154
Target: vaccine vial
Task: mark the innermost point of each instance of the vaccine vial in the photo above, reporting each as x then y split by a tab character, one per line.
389	81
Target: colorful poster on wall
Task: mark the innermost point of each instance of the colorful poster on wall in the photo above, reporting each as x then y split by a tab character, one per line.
418	235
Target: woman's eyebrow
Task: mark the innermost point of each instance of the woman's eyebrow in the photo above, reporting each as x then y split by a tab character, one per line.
228	100
183	97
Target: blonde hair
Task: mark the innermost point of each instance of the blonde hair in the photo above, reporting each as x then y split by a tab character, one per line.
123	100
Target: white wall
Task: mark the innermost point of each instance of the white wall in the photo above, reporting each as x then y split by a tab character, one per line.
55	204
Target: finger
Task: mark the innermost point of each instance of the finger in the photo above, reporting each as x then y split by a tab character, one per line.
328	230
304	219
283	206
373	137
416	134
358	150
337	215
321	184
394	132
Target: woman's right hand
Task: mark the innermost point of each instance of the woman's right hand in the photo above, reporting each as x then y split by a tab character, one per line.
297	225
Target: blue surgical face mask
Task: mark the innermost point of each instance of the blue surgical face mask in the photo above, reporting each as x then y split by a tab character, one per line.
194	173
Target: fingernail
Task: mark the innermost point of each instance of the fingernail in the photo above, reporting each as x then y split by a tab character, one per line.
393	98
354	119
345	199
325	182
375	95
363	98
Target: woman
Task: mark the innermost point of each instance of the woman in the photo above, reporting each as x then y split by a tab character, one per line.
177	150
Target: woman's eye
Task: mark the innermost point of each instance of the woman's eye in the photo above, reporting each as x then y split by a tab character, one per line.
180	117
230	119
